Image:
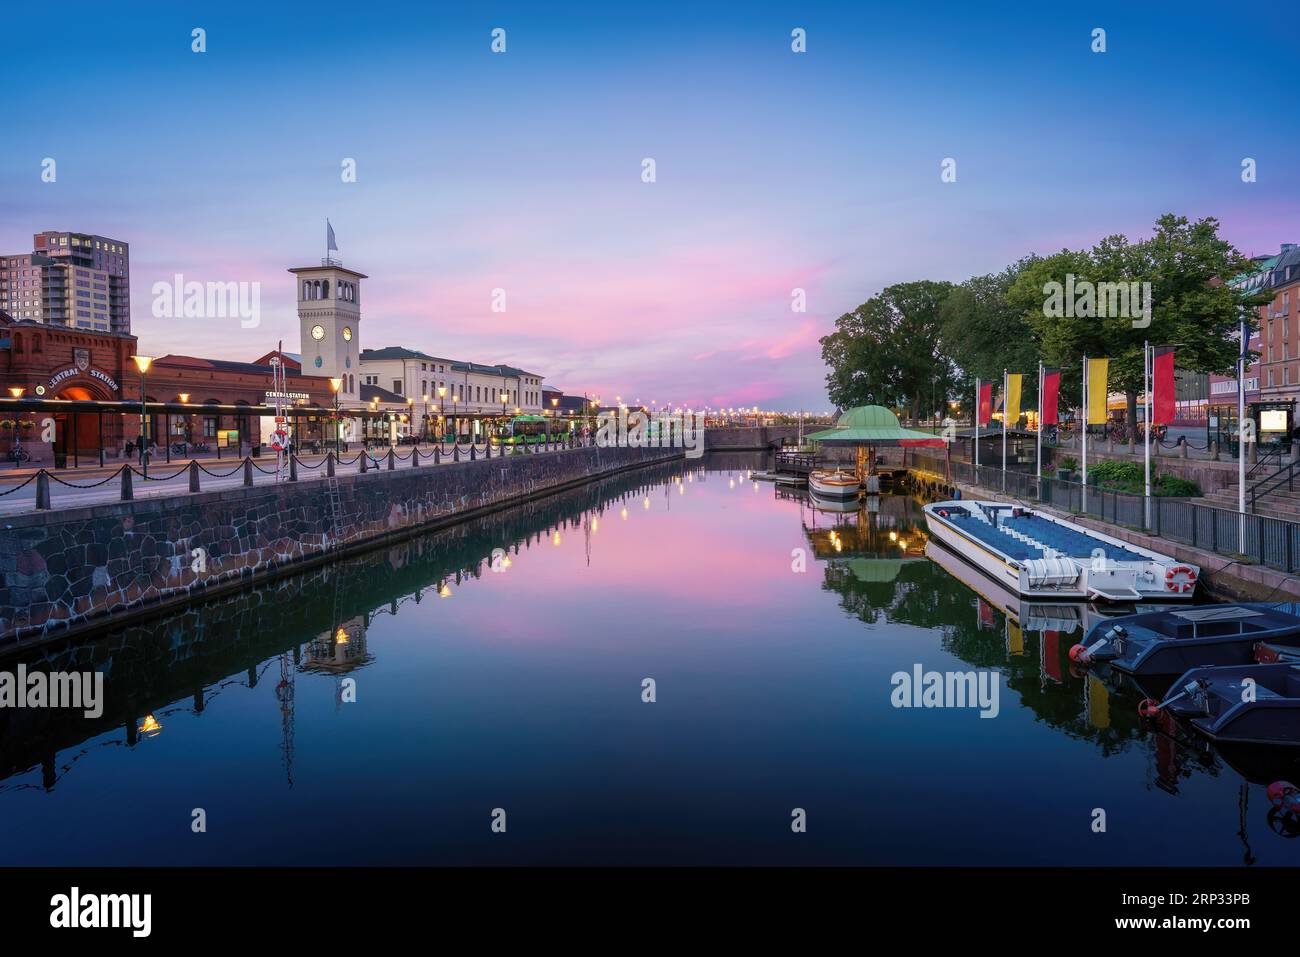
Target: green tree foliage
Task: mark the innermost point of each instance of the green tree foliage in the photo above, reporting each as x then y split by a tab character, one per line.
887	351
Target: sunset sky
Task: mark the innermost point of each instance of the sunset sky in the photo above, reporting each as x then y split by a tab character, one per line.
522	171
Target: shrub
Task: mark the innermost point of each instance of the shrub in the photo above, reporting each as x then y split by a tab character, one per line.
1174	486
1119	473
1069	463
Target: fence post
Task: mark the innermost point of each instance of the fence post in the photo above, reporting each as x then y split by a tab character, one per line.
43	490
415	457
329	465
128	492
293	467
194	476
437	455
392	458
364	457
248	472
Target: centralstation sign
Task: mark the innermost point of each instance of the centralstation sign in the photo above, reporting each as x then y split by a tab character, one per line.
71	371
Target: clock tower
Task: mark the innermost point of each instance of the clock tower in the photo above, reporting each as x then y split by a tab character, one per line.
329	322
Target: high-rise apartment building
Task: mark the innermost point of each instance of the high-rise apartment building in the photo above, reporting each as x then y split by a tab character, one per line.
77	280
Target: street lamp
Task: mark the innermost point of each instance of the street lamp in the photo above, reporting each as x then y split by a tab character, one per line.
455	421
17	392
143	363
410	410
336	384
442	412
425	397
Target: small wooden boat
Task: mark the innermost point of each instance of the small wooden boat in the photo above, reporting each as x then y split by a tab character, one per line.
1172	642
1246	704
834	484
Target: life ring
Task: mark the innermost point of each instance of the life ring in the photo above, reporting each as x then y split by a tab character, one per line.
943	513
1180	578
1148	707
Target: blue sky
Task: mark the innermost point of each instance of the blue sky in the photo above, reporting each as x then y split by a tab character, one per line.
522	171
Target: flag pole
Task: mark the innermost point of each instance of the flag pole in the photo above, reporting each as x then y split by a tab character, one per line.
1241	440
976	417
1004	431
1039	469
1083	454
1148	360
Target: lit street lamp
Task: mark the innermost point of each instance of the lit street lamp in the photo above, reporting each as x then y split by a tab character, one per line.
336	383
143	363
17	392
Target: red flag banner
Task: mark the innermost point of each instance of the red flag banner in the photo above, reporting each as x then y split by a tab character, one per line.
986	403
1051	390
1162	390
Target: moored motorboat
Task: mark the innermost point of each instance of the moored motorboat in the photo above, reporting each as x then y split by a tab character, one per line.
834	484
1173	641
1042	556
1243	704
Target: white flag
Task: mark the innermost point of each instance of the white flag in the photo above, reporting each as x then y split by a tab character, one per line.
330	242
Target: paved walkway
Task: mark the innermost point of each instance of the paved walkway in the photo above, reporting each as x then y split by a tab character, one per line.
95	486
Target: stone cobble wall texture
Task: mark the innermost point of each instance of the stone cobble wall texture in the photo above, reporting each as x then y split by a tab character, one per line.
69	567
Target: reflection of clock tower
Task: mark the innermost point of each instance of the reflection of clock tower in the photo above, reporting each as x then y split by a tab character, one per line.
329	320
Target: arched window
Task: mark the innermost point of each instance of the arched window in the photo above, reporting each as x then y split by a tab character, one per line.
306	289
325	289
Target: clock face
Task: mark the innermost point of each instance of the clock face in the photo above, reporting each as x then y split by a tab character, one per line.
347	333
318	332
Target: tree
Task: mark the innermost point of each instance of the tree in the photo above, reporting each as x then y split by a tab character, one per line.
984	332
888	351
1168	289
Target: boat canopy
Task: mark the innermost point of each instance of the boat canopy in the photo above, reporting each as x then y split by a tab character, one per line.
875	426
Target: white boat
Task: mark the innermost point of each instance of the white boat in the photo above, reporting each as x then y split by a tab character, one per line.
1037	555
834	484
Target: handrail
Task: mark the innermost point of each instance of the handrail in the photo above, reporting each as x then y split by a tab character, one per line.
1263	461
1274	482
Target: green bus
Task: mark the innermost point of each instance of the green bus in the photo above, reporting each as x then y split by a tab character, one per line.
530	430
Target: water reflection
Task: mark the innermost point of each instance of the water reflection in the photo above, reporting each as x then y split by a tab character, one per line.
500	662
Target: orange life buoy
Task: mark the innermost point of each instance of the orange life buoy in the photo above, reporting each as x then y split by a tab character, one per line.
1183	584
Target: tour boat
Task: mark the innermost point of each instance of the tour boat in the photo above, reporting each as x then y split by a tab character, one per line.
1247	704
1173	641
1040	556
834	484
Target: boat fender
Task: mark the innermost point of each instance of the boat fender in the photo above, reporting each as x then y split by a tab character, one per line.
1083	653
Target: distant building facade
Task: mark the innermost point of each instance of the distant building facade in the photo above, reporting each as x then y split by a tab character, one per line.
78	280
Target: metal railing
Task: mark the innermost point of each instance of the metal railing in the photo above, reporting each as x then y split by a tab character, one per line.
366	460
1274	542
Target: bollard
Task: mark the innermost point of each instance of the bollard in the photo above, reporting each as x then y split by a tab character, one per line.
248	473
1182	446
437	456
127	492
415	457
392	458
194	476
293	467
1214	446
43	490
364	455
329	465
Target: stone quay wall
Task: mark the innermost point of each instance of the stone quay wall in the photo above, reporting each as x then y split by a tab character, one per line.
72	569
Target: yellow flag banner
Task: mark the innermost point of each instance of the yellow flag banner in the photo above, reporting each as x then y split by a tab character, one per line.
1011	408
1097	369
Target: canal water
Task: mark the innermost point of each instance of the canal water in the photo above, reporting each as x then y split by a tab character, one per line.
390	709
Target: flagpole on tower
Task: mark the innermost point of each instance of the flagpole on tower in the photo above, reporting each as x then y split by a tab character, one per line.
1241	439
976	418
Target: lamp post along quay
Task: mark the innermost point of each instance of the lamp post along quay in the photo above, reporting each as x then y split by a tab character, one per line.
143	363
